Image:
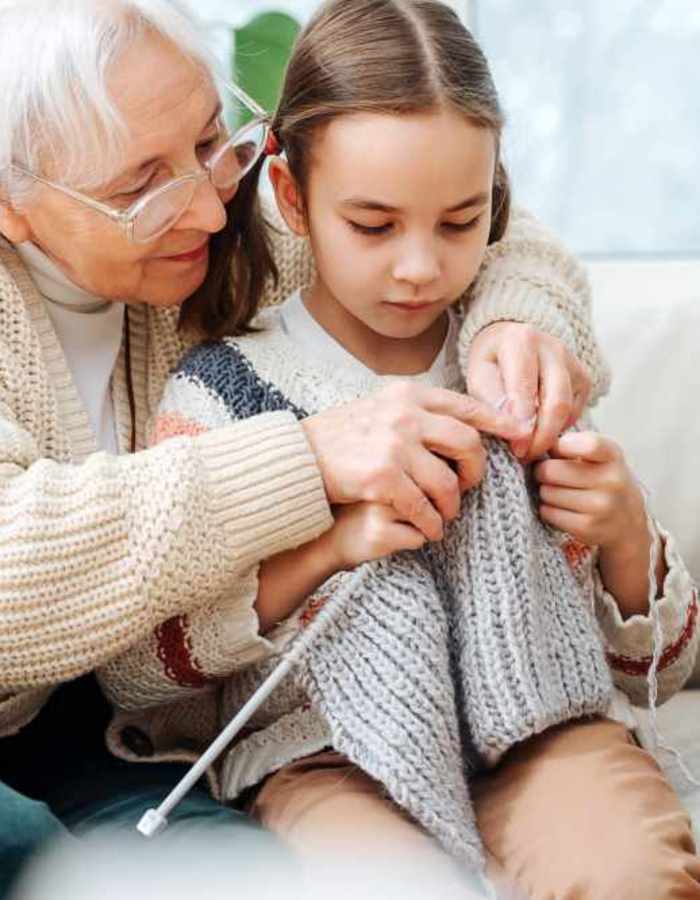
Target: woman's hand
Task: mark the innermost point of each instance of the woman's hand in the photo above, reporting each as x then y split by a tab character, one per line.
588	490
393	448
534	376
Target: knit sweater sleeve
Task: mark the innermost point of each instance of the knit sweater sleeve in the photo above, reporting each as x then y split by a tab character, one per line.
93	556
631	642
189	652
529	277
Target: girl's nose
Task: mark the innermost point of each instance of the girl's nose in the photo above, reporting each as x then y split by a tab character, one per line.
418	264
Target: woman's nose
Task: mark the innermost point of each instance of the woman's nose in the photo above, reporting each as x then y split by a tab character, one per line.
206	211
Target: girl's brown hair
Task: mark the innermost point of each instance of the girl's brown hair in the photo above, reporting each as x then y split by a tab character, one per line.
377	56
240	264
386	56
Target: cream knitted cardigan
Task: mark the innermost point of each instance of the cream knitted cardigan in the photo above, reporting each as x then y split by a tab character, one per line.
95	550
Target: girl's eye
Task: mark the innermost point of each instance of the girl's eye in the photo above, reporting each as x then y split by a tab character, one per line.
460	227
370	229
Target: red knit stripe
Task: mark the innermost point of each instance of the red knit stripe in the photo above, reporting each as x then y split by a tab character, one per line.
641	666
175	652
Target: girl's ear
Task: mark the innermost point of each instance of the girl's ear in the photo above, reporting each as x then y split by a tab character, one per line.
13	226
288	195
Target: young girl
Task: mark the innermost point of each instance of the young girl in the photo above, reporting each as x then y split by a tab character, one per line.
445	656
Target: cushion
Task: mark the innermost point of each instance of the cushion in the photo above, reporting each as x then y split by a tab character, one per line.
647	317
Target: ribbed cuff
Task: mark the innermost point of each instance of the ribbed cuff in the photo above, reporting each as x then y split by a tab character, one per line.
265	486
632	638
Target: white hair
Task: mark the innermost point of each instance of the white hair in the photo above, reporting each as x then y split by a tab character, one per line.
55	61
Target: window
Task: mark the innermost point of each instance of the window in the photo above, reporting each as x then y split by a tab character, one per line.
604	122
603	134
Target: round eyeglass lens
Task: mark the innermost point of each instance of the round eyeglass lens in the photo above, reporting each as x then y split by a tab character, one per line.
162	211
237	157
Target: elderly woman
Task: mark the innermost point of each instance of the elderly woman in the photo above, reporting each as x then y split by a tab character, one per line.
112	214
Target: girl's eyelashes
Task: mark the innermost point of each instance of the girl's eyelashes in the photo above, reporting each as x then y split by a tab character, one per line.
455	227
462	226
369	229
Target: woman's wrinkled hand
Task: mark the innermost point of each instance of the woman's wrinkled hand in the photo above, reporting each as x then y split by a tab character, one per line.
515	367
395	448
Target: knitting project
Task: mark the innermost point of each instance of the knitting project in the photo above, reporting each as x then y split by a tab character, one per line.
440	660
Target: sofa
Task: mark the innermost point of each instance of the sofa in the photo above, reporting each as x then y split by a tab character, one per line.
647	318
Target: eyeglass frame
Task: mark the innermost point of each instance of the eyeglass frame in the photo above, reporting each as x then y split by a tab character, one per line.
125	218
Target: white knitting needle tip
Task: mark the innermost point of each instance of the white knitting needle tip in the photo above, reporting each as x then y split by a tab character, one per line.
154	821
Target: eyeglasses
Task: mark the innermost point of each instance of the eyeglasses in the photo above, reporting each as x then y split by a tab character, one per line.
225	161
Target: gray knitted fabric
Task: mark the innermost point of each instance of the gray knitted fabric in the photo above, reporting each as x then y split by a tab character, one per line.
443	660
435	662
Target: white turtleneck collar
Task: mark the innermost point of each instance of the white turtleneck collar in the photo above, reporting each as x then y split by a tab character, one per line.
89	330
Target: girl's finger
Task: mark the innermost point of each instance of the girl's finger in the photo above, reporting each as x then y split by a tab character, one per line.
574	523
588	502
585	445
556	403
404	537
566	473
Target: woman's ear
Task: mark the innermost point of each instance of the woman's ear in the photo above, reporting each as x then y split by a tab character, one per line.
13	226
288	195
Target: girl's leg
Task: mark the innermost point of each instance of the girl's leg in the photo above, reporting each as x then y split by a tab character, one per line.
582	812
340	822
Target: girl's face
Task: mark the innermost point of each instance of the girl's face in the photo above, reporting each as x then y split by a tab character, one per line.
398	211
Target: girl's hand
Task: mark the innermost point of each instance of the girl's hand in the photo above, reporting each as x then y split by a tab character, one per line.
541	381
587	490
366	531
362	531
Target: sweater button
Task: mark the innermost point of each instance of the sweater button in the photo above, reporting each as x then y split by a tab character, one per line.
136	741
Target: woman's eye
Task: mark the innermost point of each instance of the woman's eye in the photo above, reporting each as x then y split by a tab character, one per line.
126	198
370	229
208	145
462	226
131	193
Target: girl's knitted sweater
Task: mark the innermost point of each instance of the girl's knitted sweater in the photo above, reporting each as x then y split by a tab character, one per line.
435	663
527	616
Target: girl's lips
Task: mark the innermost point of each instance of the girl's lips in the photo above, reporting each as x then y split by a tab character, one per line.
410	307
191	255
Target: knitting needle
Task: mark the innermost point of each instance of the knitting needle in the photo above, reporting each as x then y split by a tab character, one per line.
154	821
